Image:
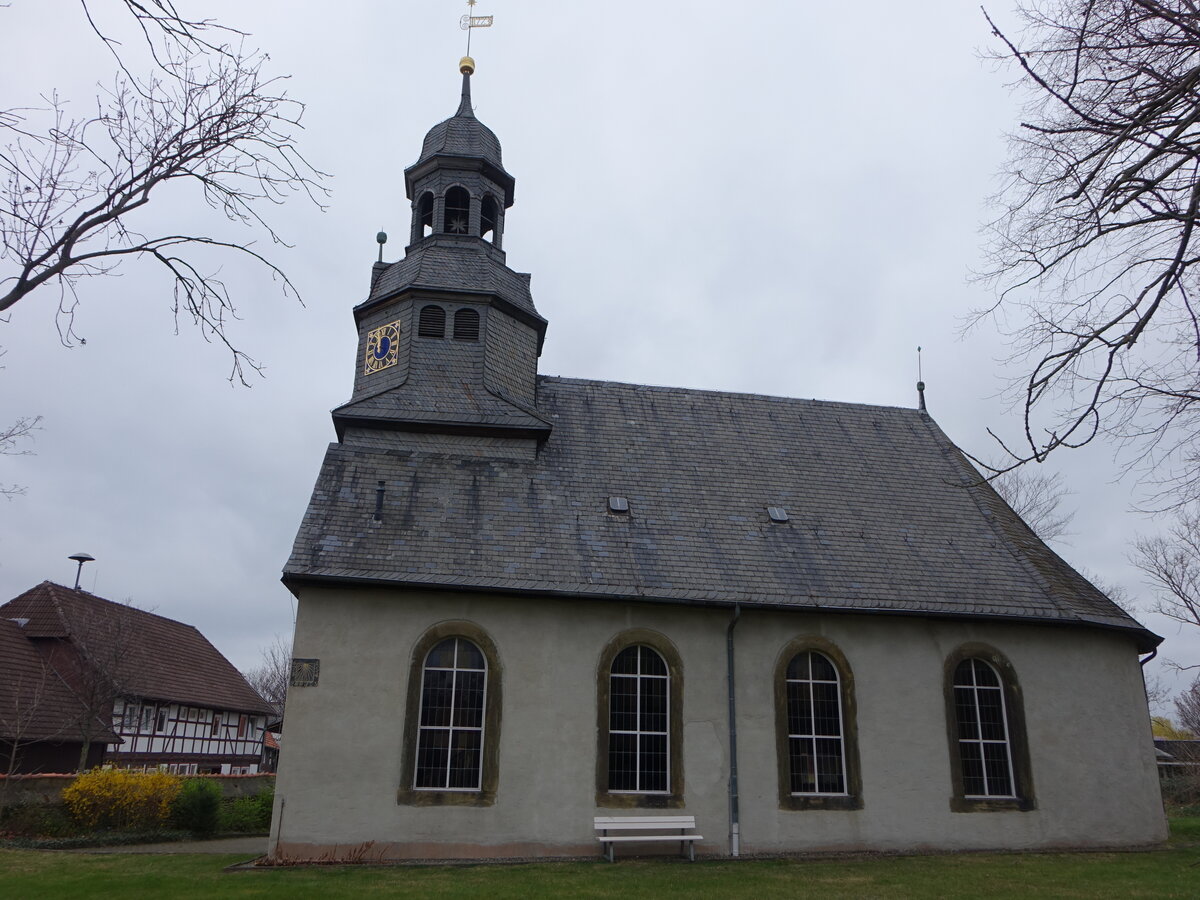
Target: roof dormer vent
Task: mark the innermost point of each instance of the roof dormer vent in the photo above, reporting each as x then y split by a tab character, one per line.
777	513
618	504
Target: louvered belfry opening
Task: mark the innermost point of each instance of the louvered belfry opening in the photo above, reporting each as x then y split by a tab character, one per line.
458	211
466	325
425	215
489	216
432	322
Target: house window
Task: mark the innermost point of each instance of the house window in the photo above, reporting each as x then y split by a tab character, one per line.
816	733
147	718
130	718
989	755
638	713
216	724
161	726
242	720
982	731
639	761
816	752
452	719
450	738
466	325
431	323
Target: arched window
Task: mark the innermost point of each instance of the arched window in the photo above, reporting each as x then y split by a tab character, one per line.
983	746
816	751
432	322
639	753
451	753
816	733
638	717
450	733
989	755
425	215
457	214
466	325
489	215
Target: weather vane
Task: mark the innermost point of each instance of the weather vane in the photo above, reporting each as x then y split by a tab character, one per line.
469	23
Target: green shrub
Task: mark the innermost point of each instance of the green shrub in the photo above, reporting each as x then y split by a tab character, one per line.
198	806
248	814
38	820
123	800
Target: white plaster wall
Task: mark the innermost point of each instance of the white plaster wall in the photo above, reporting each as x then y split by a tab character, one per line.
1089	733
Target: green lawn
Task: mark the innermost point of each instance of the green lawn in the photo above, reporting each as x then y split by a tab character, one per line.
1172	872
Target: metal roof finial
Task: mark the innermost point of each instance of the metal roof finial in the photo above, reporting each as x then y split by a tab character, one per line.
920	384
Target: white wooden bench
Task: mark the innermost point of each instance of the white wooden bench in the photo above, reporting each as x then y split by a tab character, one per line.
646	828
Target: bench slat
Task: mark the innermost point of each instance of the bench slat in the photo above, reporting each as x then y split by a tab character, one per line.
641	827
650	837
656	821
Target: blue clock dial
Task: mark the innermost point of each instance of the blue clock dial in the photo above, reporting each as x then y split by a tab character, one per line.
382	349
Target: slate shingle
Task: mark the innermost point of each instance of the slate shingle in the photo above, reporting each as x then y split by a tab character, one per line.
885	513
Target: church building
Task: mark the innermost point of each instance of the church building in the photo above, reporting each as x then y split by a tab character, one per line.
526	601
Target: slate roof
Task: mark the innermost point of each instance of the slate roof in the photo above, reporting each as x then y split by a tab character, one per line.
454	263
160	658
462	135
35	703
885	513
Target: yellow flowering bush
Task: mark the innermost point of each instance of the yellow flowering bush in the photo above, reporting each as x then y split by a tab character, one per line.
120	799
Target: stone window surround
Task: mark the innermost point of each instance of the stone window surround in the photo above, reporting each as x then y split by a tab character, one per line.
407	795
853	798
1017	736
673	798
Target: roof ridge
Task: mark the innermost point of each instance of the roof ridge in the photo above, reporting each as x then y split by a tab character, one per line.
740	395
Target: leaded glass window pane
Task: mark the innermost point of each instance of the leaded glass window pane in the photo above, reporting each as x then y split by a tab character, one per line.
638	722
450	734
982	725
816	744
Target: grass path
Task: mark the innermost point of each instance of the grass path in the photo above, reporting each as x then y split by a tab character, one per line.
1171	872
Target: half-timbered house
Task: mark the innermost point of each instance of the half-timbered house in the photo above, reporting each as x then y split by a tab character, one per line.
173	700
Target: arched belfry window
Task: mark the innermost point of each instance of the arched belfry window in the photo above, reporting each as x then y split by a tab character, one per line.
457	214
638	733
466	325
425	215
451	727
989	755
431	323
489	217
816	732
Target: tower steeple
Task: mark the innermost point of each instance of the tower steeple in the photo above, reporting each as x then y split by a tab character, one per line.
449	336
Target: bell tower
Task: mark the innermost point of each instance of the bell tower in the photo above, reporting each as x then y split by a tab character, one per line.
449	337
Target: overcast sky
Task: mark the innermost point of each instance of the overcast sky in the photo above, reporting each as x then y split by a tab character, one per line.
777	198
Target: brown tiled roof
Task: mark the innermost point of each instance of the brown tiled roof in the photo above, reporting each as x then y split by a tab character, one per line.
35	703
158	657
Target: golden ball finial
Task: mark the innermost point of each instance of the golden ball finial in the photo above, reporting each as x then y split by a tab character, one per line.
466	65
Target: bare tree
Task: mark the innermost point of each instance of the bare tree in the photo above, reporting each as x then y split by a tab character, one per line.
1094	253
1037	498
1187	707
1171	563
12	437
270	678
99	663
205	118
23	717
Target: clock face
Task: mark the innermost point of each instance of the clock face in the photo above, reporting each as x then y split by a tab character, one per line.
383	348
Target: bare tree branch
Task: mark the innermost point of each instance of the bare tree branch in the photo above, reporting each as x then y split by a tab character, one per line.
270	678
1187	708
1037	498
1096	247
11	438
205	128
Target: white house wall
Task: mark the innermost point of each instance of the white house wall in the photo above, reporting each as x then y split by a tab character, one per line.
1091	754
187	733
